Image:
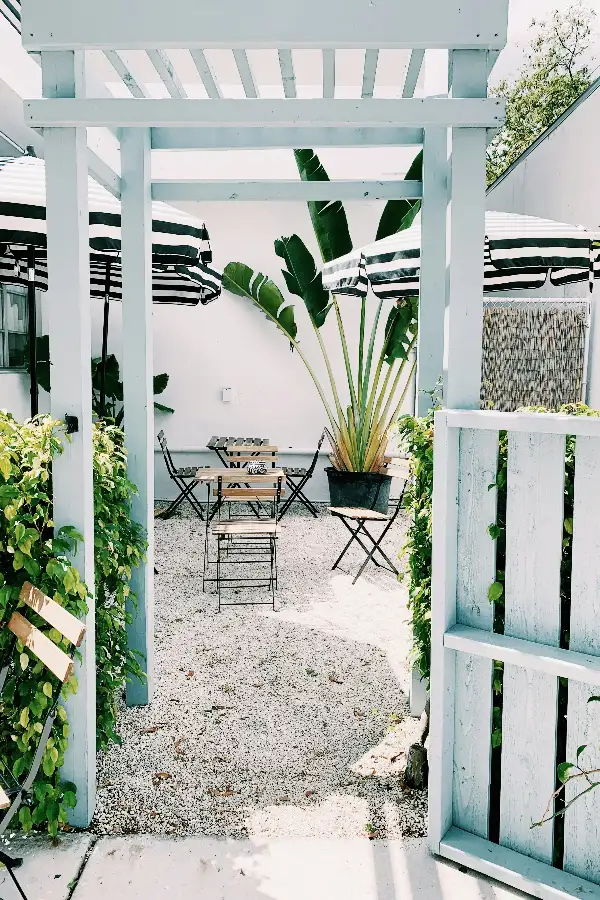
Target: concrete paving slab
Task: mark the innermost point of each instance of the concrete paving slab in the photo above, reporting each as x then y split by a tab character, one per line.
50	868
147	867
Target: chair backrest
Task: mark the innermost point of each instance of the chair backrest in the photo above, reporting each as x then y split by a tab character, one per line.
256	487
239	455
315	458
48	653
53	658
166	453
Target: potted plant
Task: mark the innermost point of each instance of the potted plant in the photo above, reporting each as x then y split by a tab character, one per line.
375	383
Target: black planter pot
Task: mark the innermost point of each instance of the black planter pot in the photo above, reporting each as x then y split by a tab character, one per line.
362	490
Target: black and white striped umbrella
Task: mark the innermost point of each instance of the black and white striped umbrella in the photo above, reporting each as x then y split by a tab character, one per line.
521	252
181	254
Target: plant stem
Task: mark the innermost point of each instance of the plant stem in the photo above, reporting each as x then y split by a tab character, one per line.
363	310
346	356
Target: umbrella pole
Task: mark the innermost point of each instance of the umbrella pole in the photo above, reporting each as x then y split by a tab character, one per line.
104	341
32	330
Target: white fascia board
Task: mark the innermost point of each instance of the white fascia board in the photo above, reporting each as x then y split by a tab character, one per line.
230	24
225	138
411	113
287	190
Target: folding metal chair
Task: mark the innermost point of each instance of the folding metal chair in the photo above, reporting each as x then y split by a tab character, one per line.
243	541
13	793
184	478
297	480
360	516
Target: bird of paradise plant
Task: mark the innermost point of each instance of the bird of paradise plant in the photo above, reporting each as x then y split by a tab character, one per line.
379	379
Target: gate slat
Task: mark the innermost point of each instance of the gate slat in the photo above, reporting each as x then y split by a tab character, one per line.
532	611
582	820
476	566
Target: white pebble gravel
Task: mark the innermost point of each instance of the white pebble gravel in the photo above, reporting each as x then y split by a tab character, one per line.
291	723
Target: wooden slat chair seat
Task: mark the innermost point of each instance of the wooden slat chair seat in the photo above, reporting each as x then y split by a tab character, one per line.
239	527
57	661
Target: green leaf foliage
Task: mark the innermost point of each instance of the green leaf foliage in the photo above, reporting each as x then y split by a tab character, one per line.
556	72
328	217
160	383
400	214
240	279
45	554
399	330
302	278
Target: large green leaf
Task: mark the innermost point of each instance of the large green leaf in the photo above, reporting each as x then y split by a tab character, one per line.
240	279
400	328
160	383
400	214
328	217
113	386
302	277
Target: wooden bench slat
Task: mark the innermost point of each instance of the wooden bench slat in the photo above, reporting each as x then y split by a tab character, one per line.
4	800
52	656
256	527
53	613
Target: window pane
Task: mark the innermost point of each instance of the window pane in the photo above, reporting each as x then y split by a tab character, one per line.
16	350
15	318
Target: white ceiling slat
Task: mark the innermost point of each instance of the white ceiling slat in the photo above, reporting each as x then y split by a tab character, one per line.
206	74
243	66
446	112
284	189
412	75
369	72
125	75
168	75
286	65
225	137
328	74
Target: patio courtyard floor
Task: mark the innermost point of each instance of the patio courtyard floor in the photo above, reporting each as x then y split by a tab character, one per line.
264	725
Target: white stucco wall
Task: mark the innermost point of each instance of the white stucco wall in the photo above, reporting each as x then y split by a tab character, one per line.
231	344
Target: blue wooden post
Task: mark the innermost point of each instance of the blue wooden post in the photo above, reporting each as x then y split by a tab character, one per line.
65	151
136	228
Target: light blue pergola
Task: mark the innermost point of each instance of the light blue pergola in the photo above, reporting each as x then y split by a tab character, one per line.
453	129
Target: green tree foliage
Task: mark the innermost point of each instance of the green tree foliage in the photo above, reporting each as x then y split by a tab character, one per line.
556	72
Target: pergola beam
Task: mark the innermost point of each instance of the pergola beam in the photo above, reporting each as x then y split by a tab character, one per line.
225	138
130	113
413	72
237	24
167	73
174	190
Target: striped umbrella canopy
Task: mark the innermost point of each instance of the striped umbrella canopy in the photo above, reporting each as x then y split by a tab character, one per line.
521	252
181	254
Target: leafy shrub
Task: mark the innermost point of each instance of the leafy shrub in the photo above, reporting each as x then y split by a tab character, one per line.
31	550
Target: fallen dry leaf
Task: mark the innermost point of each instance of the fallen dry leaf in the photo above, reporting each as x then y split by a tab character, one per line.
160	776
283	799
153	728
228	792
359	713
177	746
335	678
309	793
189	674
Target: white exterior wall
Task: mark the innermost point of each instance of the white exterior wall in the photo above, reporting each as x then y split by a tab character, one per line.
231	344
558	180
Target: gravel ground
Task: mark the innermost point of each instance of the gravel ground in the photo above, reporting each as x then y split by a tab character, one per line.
269	724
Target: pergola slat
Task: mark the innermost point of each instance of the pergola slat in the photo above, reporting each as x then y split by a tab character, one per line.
224	137
121	112
286	64
273	24
413	72
188	189
168	75
247	79
369	72
135	89
328	74
205	72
